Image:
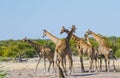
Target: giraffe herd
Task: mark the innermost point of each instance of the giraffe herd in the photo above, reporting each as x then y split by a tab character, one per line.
63	53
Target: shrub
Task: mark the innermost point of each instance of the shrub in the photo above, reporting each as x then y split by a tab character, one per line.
117	53
4	59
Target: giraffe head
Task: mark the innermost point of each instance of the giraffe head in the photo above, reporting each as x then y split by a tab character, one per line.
86	35
62	30
73	28
44	33
25	39
88	32
66	30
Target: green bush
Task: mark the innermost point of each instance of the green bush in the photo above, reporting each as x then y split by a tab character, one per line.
14	48
117	53
4	59
29	53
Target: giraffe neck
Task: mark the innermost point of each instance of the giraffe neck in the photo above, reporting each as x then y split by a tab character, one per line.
88	41
77	40
35	46
74	37
52	37
100	40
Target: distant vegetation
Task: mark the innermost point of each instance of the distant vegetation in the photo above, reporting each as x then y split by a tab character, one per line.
15	48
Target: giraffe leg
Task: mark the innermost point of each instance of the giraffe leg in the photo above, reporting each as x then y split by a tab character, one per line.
53	65
45	64
96	68
82	66
71	66
56	61
114	65
37	64
60	73
93	65
63	67
70	63
49	66
91	62
100	64
64	62
108	61
106	64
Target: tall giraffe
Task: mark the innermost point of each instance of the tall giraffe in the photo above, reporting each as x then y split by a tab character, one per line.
95	52
43	52
62	49
82	47
103	49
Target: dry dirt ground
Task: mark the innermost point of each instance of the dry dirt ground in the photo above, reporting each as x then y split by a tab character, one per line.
26	70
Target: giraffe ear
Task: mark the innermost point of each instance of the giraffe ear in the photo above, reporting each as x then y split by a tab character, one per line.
74	28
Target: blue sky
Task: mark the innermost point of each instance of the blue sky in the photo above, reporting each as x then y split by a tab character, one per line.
20	18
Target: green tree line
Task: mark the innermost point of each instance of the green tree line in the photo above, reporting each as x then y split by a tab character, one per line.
14	48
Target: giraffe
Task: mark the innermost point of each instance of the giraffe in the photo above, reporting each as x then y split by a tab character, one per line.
82	47
62	49
95	54
103	49
43	52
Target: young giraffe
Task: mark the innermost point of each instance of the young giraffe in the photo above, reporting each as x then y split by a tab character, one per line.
43	52
62	48
82	47
103	49
95	54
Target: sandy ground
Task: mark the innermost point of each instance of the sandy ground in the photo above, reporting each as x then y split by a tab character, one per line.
26	70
